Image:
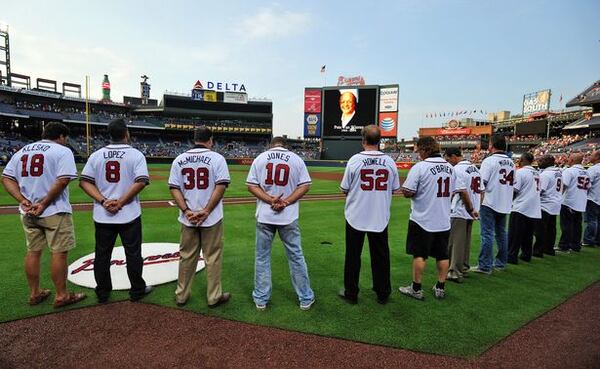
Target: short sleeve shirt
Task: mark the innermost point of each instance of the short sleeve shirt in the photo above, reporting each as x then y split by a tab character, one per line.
594	192
469	178
576	183
433	181
370	178
551	190
279	172
36	167
114	169
498	176
196	173
527	189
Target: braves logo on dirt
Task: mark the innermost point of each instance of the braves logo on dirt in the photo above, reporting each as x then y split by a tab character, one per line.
160	266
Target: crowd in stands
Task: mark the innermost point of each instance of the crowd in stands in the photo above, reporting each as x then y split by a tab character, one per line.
523	138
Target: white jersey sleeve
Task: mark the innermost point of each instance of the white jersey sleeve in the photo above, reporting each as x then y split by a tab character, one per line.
369	181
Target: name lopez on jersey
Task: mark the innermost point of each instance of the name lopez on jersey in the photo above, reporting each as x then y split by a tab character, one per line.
194	159
114	154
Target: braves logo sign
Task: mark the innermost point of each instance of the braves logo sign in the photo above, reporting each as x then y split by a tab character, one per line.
161	265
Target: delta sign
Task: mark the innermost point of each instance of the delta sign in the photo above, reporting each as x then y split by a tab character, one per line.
220	86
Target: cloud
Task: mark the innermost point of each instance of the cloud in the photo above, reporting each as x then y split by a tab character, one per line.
270	23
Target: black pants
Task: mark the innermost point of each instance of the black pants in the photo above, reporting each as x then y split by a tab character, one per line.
570	227
131	236
545	235
380	261
520	237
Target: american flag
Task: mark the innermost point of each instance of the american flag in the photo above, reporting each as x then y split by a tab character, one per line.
323	69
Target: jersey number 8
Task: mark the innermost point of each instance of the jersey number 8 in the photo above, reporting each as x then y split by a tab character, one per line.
112	171
36	168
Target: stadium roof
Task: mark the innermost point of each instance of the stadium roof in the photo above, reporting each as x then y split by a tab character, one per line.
590	96
582	123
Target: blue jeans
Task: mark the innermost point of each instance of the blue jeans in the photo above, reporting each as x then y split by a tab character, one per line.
592	219
290	236
492	224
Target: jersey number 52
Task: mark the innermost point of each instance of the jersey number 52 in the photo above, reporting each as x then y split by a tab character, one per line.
374	180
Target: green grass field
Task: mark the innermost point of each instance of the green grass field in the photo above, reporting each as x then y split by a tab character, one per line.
474	316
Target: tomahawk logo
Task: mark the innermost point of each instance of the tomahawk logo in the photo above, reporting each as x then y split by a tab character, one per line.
161	265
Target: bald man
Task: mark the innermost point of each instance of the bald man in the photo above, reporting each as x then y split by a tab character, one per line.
348	108
591	237
575	185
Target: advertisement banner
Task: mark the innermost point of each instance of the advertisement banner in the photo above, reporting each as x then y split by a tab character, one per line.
312	101
312	125
210	96
457	131
198	95
388	99
235	98
388	124
536	102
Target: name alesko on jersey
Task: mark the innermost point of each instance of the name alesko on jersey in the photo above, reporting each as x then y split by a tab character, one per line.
36	147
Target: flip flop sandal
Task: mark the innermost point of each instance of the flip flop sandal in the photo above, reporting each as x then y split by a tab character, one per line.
73	298
40	297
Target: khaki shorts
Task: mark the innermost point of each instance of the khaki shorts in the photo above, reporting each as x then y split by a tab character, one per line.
55	231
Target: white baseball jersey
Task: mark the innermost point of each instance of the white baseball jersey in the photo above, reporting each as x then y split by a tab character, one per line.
468	177
36	167
594	191
498	175
369	180
433	181
114	169
576	183
551	190
195	173
279	172
527	192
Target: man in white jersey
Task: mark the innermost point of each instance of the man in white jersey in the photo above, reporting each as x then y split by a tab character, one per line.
464	210
369	180
198	181
497	173
37	177
526	211
550	201
591	236
114	176
278	179
576	184
430	185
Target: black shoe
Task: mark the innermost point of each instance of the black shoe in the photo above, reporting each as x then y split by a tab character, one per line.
550	253
576	250
103	300
180	303
538	255
348	299
527	260
147	290
513	261
383	300
226	296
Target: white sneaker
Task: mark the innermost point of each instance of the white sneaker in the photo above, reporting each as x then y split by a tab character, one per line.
476	269
408	291
439	293
261	307
307	305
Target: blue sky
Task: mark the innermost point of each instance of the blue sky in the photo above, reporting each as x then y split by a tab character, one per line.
445	55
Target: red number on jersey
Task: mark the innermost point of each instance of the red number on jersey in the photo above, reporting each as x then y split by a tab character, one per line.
280	176
112	171
195	179
371	179
476	184
443	187
558	184
507	177
583	183
36	168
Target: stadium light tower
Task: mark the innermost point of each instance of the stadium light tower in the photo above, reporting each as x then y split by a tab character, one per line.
5	74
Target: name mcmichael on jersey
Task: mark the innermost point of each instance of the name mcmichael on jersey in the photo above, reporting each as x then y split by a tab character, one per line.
192	159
